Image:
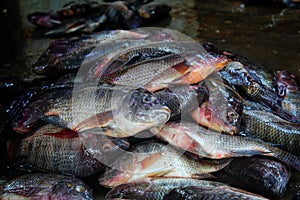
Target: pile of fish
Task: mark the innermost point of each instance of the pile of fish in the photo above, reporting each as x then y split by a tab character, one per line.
93	16
152	114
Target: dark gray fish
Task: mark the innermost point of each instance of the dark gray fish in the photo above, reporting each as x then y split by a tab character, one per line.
264	176
212	193
182	99
153	12
155	188
45	186
238	76
289	89
59	150
223	110
68	54
268	127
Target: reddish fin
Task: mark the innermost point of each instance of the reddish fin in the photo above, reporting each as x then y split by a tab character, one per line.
65	133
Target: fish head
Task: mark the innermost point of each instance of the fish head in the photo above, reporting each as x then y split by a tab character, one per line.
223	110
129	190
103	148
71	189
141	110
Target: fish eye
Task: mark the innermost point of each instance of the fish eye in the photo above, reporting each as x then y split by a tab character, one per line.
106	147
69	185
80	188
148	99
231	114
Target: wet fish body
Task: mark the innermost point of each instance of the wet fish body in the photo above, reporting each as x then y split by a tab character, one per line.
154	159
137	111
289	88
59	150
214	193
182	99
268	127
238	76
42	186
86	107
67	55
264	176
190	64
205	143
223	110
143	73
154	188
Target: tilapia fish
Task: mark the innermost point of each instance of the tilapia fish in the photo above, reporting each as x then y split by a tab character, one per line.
170	62
68	54
124	58
223	110
264	125
139	110
210	144
289	88
155	188
264	176
258	72
153	12
45	186
238	76
219	192
116	109
154	159
59	150
183	98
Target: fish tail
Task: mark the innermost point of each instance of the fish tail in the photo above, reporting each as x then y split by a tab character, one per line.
288	158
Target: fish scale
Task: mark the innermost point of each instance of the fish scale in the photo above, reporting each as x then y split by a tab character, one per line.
206	143
48	152
154	159
45	186
142	73
148	50
211	193
271	128
154	188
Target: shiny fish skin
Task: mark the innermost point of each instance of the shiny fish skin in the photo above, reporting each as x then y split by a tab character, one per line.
238	76
154	189
289	88
183	98
205	143
68	106
153	159
142	73
223	111
259	73
264	176
211	193
139	52
59	150
46	186
137	111
271	128
67	55
59	103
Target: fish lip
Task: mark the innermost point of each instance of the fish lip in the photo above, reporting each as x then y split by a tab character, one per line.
167	112
231	130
